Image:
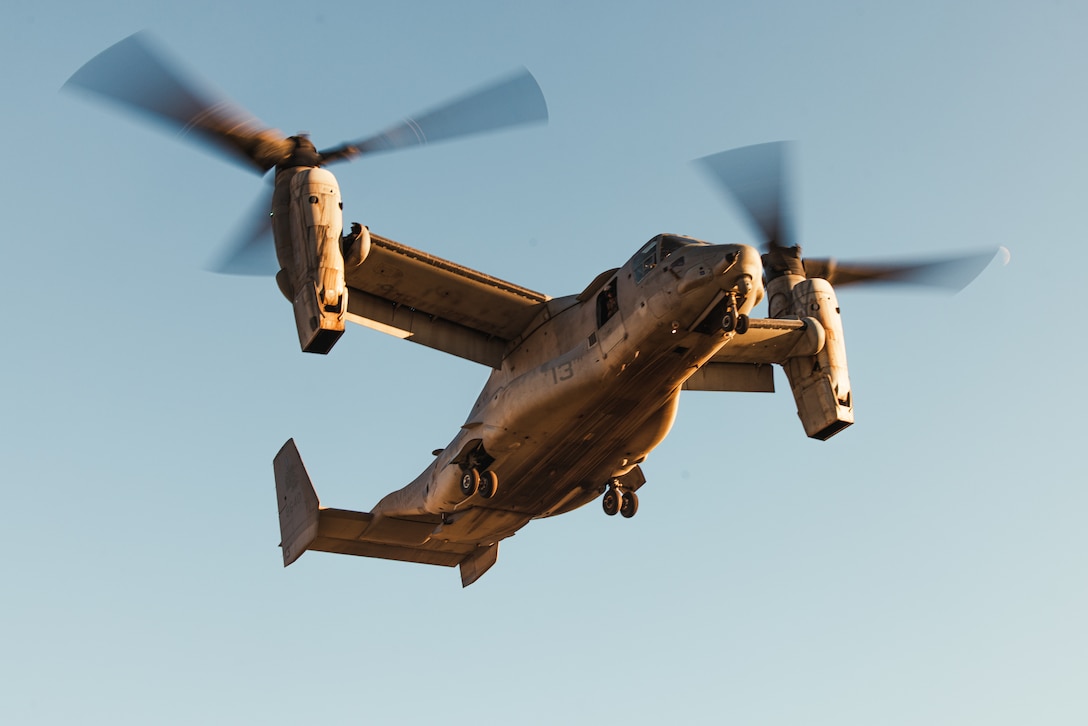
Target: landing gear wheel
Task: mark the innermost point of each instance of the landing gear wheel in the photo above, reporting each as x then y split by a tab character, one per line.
729	322
629	505
489	484
612	501
470	482
742	324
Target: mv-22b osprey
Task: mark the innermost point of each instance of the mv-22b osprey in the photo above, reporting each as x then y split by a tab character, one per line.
582	387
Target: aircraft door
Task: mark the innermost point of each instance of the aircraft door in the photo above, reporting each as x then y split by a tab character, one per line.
610	330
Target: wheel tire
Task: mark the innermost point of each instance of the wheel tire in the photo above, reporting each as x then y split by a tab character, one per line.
611	502
729	322
629	506
489	484
470	482
742	324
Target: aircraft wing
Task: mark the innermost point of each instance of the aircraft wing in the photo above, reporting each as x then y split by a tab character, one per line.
434	302
743	363
773	340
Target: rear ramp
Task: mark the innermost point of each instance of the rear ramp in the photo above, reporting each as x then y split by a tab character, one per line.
306	525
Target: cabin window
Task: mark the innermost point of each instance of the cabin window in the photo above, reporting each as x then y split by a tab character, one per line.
607	303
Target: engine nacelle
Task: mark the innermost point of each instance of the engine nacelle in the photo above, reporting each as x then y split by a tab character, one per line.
820	383
307	222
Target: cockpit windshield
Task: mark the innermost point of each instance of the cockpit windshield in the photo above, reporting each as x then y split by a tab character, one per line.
672	242
659	249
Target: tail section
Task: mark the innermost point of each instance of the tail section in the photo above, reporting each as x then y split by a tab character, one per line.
305	524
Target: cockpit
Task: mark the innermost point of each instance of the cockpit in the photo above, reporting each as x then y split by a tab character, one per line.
659	249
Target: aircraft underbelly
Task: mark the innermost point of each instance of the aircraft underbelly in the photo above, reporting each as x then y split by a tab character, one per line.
582	446
557	435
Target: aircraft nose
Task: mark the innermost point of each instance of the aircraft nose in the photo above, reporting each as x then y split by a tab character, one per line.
740	264
740	270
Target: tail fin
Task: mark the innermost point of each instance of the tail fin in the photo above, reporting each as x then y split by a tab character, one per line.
298	503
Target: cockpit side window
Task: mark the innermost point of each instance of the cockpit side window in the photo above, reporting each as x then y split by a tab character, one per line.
645	260
607	303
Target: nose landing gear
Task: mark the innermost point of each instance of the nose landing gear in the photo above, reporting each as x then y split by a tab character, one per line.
732	320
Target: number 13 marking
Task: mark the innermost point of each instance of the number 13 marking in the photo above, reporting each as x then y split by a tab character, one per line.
563	372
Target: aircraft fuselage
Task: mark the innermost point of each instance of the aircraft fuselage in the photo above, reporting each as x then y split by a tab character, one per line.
588	391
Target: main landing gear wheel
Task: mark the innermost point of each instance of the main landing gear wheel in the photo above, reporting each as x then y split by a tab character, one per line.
470	482
621	501
489	484
612	501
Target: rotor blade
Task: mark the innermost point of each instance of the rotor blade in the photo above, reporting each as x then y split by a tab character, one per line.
134	74
755	178
513	101
252	250
949	273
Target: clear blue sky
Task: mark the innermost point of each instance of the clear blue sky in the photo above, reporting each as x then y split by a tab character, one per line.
926	566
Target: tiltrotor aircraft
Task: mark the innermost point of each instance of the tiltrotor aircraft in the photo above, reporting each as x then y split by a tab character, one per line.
582	387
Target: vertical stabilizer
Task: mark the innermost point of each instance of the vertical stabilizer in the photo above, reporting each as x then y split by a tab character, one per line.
298	503
476	564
